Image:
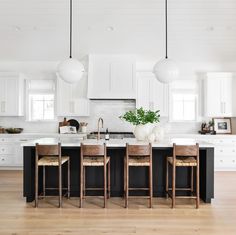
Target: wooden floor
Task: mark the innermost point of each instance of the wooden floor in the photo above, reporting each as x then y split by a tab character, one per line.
17	217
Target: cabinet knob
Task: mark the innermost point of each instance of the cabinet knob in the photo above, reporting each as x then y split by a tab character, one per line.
3	159
233	161
221	160
221	151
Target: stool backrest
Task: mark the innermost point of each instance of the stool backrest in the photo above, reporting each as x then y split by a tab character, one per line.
186	150
93	150
138	150
48	150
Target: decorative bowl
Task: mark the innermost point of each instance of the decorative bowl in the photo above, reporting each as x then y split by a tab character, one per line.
14	130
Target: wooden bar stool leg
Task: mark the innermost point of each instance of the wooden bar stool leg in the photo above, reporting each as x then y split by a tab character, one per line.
126	185
81	185
192	180
109	179
124	179
44	181
60	186
167	178
150	185
68	179
84	185
36	183
197	189
105	185
173	185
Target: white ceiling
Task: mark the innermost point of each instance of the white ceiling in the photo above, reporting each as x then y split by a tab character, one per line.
38	29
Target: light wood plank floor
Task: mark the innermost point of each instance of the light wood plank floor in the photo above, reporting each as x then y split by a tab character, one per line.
17	217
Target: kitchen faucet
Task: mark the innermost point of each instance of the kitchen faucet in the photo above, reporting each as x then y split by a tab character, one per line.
99	120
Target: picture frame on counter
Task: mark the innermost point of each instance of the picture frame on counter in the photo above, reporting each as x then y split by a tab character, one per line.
222	125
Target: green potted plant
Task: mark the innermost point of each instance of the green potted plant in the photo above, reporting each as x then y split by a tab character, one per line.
142	120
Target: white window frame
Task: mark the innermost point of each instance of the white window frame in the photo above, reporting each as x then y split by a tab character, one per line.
39	92
184	91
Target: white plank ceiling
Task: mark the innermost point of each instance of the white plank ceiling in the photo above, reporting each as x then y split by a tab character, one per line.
199	30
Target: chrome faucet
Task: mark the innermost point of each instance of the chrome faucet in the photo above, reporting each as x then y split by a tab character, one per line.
99	120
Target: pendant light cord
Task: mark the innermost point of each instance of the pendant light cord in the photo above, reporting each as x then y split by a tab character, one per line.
166	28
70	28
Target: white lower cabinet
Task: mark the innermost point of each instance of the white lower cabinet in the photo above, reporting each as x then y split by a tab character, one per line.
11	154
225	157
11	151
224	151
6	160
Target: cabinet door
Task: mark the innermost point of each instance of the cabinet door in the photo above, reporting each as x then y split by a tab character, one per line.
11	99
111	77
159	97
122	79
213	104
227	96
143	92
12	85
99	83
152	94
69	102
64	96
2	97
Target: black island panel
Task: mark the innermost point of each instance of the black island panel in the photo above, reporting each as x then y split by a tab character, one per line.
138	175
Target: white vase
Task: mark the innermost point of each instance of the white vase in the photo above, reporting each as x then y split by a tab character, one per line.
151	138
141	132
158	131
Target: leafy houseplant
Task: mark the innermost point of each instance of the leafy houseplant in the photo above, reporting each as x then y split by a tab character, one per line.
141	119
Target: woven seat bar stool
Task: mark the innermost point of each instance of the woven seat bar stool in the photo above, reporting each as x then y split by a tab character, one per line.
183	156
94	156
50	156
137	156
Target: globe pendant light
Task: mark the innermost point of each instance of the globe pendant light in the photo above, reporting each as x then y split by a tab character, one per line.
166	69
70	70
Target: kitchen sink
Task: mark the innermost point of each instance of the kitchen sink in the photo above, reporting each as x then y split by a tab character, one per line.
113	135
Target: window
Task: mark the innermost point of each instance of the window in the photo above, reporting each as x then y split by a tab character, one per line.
40	100
41	107
184	106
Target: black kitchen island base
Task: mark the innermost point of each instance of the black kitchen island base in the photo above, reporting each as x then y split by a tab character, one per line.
138	176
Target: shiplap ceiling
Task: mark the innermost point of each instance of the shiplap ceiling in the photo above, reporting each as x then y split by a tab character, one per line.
38	29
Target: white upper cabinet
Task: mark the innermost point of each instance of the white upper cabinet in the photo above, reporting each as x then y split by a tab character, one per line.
11	95
219	95
70	101
112	77
152	94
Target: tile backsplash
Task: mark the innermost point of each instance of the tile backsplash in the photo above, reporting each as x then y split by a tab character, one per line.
109	110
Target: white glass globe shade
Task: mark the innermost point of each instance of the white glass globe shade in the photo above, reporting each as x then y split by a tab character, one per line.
166	71
70	70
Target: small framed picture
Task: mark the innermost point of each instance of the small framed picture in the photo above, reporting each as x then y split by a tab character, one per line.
222	125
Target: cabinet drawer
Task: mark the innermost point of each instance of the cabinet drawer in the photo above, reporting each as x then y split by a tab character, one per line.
225	163
222	150
224	141
5	140
6	149
6	160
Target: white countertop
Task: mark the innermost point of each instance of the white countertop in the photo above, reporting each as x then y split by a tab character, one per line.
42	134
74	142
